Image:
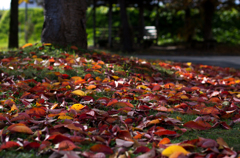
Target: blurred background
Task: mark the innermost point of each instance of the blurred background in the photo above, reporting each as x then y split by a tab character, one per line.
163	24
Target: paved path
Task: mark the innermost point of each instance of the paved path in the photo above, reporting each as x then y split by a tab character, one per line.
223	61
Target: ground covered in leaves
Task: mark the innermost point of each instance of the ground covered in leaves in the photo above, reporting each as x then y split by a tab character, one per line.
75	103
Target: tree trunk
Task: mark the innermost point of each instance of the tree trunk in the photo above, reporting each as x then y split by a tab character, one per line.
208	12
13	30
126	35
141	22
110	24
94	23
188	27
64	22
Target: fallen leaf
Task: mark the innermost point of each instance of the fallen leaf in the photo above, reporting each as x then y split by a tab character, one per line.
77	107
8	145
172	149
67	145
101	148
79	93
20	128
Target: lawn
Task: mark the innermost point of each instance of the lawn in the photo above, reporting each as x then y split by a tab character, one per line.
80	103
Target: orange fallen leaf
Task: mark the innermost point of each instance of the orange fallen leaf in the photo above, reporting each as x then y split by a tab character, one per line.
164	141
90	87
67	145
20	128
27	45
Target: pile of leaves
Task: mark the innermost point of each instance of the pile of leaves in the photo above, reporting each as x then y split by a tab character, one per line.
79	103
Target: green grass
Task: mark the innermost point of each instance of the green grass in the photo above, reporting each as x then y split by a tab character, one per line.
24	154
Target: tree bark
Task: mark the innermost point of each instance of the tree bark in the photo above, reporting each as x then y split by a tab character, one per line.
110	24
64	23
126	35
94	23
13	30
188	27
141	22
208	12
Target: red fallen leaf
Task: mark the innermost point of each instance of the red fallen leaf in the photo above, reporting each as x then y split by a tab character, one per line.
8	145
141	149
87	76
32	145
20	127
199	125
5	60
101	148
67	145
44	145
64	76
8	102
225	125
74	47
40	111
144	107
123	104
166	132
3	117
57	138
207	143
125	135
156	87
215	100
21	116
128	121
37	89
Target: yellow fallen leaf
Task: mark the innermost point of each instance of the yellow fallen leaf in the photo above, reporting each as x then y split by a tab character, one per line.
172	149
179	118
47	44
63	117
79	93
142	86
14	108
77	106
115	77
188	69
